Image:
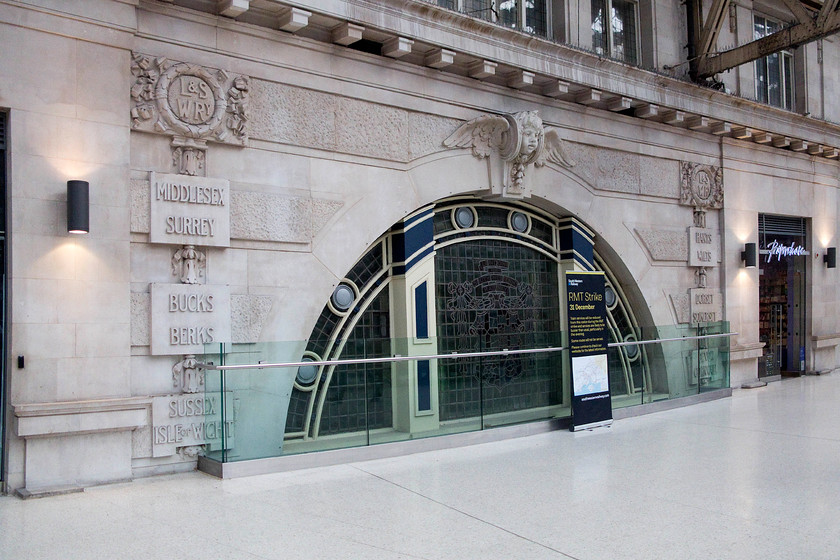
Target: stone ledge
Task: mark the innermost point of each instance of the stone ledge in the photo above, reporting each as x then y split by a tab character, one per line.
25	494
81	417
826	340
746	351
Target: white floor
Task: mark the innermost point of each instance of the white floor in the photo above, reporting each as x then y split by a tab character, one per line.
753	476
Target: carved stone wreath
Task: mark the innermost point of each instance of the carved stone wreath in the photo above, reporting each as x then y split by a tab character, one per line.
701	186
189	101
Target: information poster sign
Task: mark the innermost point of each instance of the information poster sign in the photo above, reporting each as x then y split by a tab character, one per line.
587	314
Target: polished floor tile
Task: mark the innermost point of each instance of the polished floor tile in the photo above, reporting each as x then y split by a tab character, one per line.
755	476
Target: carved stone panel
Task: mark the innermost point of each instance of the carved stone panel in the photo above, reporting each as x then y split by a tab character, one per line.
706	305
659	177
701	186
291	115
272	217
189	420
682	307
188	317
248	314
607	169
664	245
187	100
140	309
189	210
703	247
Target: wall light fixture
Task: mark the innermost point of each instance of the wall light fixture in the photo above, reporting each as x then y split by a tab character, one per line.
749	255
78	207
830	257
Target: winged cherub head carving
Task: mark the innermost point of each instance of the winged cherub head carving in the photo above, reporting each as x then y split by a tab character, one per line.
518	140
531	134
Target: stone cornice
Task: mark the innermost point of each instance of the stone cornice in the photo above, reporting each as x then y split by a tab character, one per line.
558	71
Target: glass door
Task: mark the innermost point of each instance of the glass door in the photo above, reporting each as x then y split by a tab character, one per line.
795	364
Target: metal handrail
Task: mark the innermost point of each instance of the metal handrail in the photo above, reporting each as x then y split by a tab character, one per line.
451	356
643	342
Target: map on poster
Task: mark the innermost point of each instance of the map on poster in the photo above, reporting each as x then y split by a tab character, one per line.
590	374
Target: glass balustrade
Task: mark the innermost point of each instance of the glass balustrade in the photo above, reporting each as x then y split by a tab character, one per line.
275	399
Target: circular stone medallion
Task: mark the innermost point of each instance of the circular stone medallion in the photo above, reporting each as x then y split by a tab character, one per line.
191	99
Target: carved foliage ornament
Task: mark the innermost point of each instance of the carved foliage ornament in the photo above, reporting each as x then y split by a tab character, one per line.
189	264
512	143
187	375
701	186
189	101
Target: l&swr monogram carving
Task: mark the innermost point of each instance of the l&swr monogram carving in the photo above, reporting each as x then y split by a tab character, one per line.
188	101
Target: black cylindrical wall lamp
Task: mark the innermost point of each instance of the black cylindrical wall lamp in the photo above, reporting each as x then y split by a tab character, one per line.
78	207
830	257
749	255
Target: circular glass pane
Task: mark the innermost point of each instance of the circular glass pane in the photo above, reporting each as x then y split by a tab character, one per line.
519	222
306	374
609	296
343	297
632	351
464	217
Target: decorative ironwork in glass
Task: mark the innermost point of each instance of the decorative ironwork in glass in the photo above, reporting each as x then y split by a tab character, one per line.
494	295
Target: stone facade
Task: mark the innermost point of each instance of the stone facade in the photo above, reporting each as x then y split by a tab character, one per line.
294	151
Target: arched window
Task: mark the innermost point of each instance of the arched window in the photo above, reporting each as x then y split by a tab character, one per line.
462	275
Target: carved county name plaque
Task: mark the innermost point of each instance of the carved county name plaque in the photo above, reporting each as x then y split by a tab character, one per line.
703	247
189	210
192	419
186	317
706	305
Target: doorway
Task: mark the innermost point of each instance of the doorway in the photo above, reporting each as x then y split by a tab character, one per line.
782	294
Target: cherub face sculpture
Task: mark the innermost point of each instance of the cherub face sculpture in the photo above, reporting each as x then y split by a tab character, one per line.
530	141
530	127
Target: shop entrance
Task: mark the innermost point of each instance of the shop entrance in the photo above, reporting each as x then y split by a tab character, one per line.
782	282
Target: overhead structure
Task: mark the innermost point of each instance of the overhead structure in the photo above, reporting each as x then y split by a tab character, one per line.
815	19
